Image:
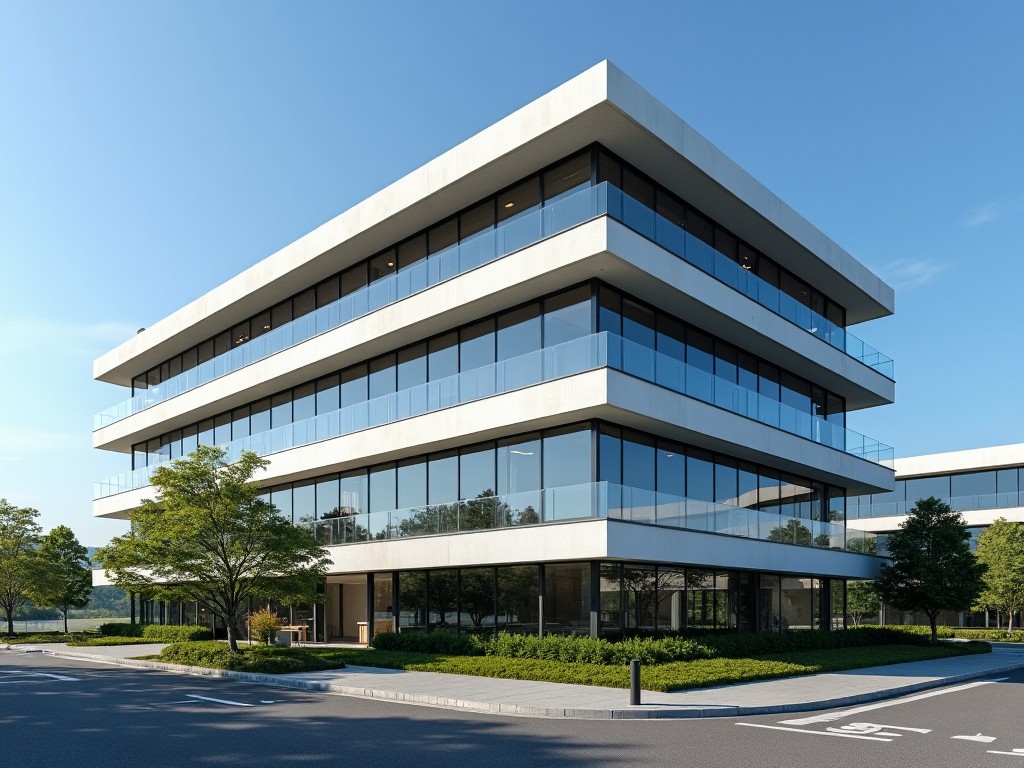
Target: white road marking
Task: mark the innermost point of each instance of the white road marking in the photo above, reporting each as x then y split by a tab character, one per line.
268	702
34	676
880	705
976	737
218	701
814	733
873	728
1015	753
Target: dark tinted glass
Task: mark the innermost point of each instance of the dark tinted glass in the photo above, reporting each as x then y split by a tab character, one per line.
412	366
443	356
304	303
383	265
476	219
567	316
328	291
412	251
353	385
382	376
567	457
519	464
519	332
353	279
520	199
412	483
476	472
476	345
567	176
443	235
443	478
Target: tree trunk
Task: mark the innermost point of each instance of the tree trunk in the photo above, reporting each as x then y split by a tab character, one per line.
935	630
232	635
1009	626
10	621
65	621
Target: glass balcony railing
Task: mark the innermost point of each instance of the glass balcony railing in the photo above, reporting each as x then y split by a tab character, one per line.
580	502
960	503
528	229
583	354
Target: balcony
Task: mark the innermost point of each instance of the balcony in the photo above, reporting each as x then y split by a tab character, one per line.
526	230
581	502
570	358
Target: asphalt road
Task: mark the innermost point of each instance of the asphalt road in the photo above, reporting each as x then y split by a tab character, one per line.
56	712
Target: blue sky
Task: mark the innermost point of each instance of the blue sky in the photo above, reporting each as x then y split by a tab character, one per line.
149	151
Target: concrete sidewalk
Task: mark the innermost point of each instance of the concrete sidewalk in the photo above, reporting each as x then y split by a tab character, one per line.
557	700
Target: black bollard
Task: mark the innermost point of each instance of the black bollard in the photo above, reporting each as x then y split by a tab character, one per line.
634	683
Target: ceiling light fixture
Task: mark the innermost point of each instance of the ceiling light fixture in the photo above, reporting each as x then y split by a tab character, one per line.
391	263
510	204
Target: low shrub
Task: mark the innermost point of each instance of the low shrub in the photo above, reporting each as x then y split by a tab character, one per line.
121	629
442	642
962	633
267	660
172	633
650	650
262	625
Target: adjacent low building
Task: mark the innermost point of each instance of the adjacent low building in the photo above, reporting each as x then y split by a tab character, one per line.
983	484
579	374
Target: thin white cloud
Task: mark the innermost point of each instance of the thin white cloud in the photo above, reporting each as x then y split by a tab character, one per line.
906	274
991	211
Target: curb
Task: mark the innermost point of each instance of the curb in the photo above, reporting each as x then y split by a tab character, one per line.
663	711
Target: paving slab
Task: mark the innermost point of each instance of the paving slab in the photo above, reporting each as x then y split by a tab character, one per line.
561	700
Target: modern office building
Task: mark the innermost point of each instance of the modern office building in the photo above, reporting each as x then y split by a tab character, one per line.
579	374
983	484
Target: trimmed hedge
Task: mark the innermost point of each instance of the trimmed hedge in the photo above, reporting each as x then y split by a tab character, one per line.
441	641
156	633
261	659
121	629
649	650
171	633
962	633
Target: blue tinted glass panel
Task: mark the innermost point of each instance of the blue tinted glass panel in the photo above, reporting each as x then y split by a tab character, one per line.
567	457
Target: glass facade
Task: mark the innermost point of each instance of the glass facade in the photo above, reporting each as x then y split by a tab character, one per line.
654	345
475	237
963	491
587	470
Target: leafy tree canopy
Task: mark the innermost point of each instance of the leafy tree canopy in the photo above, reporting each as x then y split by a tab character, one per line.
209	537
933	568
20	535
65	580
1001	550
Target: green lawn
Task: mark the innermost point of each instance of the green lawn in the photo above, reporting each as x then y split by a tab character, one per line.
673	676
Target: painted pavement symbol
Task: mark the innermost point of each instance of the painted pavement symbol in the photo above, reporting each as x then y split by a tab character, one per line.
1014	753
976	737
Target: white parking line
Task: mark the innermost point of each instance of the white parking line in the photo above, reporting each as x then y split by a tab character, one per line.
219	701
33	677
814	733
882	704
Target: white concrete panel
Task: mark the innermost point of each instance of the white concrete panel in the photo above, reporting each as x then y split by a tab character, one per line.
973	460
973	517
596	540
634	541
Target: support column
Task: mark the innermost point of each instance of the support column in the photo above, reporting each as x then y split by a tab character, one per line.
369	607
825	603
395	594
131	602
540	601
595	599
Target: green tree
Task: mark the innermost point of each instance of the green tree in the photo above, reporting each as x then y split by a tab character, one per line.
793	532
210	538
65	580
933	568
1001	551
20	535
861	598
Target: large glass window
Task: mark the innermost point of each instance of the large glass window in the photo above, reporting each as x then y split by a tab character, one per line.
925	487
383	498
567	176
567	599
567	316
519	478
518	598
